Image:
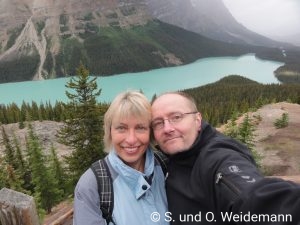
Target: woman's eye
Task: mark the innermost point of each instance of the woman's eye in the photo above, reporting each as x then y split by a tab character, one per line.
142	128
121	128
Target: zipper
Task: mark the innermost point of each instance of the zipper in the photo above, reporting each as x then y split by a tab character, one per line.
228	183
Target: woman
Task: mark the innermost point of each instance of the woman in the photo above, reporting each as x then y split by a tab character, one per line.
137	178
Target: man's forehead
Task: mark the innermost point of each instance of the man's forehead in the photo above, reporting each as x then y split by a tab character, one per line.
168	104
167	98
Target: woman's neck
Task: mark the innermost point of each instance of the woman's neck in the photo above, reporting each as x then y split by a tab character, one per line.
138	165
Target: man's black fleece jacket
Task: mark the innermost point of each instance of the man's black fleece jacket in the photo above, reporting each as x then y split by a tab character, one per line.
217	182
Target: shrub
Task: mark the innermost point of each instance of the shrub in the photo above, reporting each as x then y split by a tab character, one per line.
282	122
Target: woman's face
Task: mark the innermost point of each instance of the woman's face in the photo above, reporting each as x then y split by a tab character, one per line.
130	138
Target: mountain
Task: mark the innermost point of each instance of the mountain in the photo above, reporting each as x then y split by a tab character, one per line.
36	35
292	38
210	18
43	39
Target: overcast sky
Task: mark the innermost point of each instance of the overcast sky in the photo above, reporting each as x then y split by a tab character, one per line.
267	17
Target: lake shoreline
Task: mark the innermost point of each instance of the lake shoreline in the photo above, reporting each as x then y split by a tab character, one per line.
198	73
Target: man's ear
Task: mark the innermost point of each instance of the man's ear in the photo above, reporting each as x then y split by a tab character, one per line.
199	120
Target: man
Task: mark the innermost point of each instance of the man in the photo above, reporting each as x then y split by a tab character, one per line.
212	178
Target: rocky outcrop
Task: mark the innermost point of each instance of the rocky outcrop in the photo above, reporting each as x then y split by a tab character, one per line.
46	132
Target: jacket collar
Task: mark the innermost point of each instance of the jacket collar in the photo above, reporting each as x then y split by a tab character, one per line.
133	178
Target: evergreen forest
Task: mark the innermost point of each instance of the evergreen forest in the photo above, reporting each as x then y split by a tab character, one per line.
216	101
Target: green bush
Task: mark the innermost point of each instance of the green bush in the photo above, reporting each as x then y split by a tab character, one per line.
282	122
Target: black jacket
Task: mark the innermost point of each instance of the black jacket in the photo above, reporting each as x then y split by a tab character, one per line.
217	182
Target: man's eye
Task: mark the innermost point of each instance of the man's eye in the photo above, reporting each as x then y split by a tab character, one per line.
176	118
157	123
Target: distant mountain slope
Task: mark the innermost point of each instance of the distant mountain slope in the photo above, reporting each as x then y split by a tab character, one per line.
42	39
107	50
33	34
210	18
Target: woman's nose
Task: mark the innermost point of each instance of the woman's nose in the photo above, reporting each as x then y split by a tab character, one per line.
131	136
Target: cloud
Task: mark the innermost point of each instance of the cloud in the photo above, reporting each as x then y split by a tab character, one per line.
268	17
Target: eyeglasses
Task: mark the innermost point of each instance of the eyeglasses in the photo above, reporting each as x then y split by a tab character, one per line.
158	124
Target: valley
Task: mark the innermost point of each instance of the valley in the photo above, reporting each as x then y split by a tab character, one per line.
48	39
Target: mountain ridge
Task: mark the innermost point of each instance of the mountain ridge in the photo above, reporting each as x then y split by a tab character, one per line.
210	18
47	39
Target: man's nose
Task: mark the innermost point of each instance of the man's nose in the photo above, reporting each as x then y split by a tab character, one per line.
168	126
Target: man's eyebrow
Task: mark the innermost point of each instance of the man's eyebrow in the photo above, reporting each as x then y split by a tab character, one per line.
157	118
161	118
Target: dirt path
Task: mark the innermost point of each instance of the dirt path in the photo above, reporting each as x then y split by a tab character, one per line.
61	214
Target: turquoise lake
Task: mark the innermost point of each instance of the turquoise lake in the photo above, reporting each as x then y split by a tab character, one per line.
201	72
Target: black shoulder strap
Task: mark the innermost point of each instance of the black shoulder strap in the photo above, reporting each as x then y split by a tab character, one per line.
105	189
162	159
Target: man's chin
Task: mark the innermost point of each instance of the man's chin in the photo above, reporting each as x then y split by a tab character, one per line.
171	149
170	146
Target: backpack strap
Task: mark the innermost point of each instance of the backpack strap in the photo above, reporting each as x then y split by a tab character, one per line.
163	161
105	189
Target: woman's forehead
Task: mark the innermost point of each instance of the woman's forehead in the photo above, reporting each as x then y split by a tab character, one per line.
125	117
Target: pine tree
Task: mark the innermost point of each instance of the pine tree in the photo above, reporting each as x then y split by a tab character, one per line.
2	173
10	176
58	172
13	179
9	149
20	162
35	115
22	166
282	122
46	190
246	132
231	128
83	129
243	132
246	135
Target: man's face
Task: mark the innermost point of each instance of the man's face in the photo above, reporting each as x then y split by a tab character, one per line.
174	122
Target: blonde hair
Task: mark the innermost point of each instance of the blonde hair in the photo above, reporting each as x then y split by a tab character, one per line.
125	104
